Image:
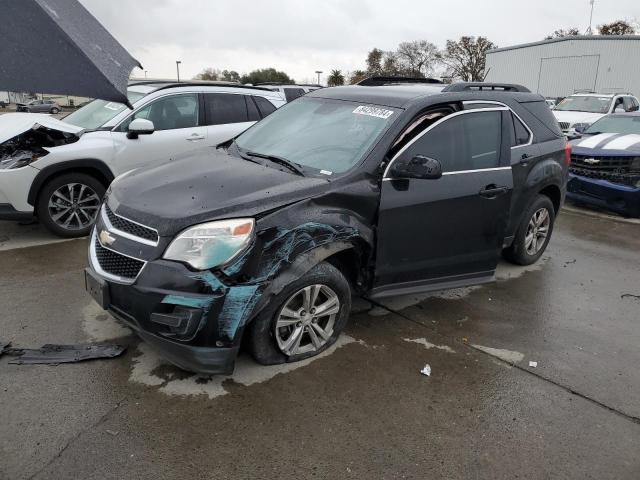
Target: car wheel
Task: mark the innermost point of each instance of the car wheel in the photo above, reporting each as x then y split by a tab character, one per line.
69	204
533	234
55	110
304	320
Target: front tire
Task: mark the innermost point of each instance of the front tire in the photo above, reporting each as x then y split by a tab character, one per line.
304	319
533	234
69	204
55	110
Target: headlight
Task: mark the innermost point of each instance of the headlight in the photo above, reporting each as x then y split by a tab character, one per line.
17	159
581	127
211	244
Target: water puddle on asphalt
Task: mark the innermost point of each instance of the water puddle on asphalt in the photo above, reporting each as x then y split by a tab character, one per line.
428	345
151	370
506	355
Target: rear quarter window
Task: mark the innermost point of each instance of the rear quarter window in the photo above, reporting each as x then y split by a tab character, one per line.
541	111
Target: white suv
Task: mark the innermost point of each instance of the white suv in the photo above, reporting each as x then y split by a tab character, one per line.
580	110
59	170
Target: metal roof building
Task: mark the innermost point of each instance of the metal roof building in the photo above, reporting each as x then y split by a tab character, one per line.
562	66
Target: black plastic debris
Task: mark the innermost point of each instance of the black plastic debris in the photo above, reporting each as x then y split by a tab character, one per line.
3	346
54	354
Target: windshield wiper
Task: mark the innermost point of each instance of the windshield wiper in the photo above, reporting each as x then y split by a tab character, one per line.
294	167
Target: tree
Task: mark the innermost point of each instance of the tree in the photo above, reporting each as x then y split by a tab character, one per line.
230	76
417	58
208	74
336	78
374	62
466	58
619	27
561	32
266	75
357	76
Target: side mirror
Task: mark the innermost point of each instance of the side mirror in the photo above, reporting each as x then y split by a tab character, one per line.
619	109
140	126
417	167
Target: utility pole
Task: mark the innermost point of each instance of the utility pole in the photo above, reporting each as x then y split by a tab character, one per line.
145	74
318	72
178	62
589	30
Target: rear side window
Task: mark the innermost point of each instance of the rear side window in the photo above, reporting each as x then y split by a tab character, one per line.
265	106
464	142
293	93
542	112
520	133
224	108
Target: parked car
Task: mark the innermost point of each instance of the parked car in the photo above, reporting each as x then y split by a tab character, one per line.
381	190
39	106
59	170
579	111
605	165
3	104
290	92
551	102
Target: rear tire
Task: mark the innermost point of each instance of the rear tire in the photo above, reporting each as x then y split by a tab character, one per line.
280	334
533	234
69	204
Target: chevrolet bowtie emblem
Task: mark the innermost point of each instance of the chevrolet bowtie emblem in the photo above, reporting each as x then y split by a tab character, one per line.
591	161
106	238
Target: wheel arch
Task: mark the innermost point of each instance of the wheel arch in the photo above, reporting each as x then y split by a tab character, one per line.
555	195
94	167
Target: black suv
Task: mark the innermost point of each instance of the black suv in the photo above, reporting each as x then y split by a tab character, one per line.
379	190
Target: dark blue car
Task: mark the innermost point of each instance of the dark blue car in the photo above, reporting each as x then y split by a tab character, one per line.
605	165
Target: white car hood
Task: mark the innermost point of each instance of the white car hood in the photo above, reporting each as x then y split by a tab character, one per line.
577	117
12	124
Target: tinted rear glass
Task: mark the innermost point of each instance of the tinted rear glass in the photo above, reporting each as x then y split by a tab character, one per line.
265	106
223	108
293	93
542	112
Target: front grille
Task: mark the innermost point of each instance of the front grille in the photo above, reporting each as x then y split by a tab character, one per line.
564	125
117	264
130	227
619	165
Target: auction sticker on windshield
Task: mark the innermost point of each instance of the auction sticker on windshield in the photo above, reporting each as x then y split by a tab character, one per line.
373	111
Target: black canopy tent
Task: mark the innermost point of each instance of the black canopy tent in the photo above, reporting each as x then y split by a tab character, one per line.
58	47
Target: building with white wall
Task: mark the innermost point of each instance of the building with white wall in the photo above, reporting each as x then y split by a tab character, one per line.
562	66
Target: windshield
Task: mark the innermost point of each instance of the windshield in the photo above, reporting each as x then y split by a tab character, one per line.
584	104
328	135
616	124
98	112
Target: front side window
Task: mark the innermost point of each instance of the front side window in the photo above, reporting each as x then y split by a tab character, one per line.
168	113
323	134
584	104
464	142
98	112
224	108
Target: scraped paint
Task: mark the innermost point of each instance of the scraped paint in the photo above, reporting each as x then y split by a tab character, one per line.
238	304
193	302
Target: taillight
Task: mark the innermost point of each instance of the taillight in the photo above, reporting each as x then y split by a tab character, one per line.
567	154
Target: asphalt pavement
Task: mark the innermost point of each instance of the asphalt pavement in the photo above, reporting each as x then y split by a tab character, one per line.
362	410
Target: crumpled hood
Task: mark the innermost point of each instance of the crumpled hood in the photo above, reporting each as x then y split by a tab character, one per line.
576	117
13	124
206	185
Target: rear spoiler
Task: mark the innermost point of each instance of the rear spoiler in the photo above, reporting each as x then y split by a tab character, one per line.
482	86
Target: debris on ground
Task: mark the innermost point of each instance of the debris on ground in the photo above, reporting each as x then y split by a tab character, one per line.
533	364
629	295
426	370
569	262
3	346
54	354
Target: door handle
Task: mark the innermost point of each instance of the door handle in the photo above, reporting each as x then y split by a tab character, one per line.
493	191
195	137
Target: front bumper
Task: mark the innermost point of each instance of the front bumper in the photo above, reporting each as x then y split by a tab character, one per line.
619	198
14	190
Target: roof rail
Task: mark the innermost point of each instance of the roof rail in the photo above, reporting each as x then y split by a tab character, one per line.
482	86
199	83
377	81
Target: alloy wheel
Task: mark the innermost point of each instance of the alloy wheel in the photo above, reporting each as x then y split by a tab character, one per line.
537	231
74	206
305	322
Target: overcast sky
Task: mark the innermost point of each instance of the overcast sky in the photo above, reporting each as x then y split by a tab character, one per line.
300	36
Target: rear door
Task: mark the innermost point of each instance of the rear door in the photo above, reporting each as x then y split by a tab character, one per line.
448	231
227	115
